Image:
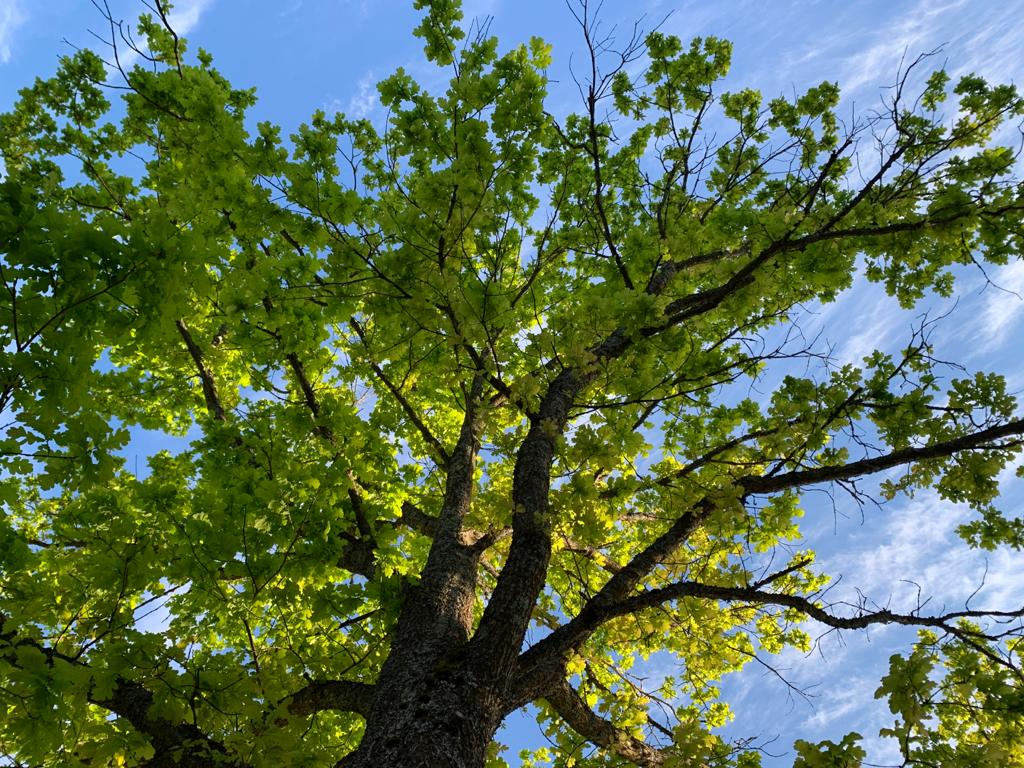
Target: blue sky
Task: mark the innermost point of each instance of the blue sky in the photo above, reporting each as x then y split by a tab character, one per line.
303	55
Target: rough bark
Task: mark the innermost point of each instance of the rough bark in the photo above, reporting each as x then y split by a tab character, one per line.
429	709
444	718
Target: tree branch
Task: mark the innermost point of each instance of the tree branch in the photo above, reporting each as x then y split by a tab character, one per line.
339	695
175	745
417	519
944	448
440	617
432	442
547	658
571	707
545	661
808	607
213	404
308	394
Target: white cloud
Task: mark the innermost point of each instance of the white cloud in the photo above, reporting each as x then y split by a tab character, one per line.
863	50
844	702
184	17
1004	306
993	49
915	556
915	544
919	31
365	100
11	17
901	541
874	330
363	103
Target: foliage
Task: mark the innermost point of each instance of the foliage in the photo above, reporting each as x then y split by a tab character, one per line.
447	405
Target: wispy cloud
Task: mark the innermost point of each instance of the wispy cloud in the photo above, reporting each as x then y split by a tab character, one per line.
992	49
919	557
843	703
914	540
361	7
11	18
873	329
365	100
920	30
863	49
1003	309
361	104
184	17
916	545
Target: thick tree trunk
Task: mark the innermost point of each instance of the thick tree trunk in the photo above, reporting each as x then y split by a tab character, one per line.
438	721
431	707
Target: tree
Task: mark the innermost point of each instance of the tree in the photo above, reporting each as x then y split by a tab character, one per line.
456	431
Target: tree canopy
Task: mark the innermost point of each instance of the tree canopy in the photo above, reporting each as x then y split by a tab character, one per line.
454	405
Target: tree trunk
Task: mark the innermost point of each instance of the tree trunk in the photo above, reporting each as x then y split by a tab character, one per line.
441	720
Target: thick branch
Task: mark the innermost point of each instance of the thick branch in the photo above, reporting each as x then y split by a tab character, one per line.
131	701
357	556
213	404
308	394
340	695
507	615
863	619
175	745
571	707
437	619
544	662
417	519
686	307
799	478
